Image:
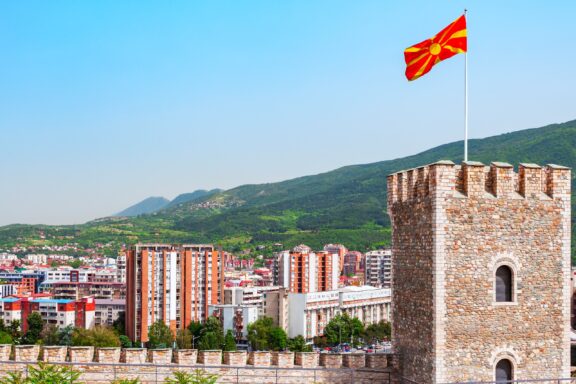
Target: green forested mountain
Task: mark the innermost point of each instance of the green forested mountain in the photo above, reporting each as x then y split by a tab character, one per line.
149	205
347	205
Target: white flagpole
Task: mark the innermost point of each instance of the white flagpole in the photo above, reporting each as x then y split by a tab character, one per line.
466	97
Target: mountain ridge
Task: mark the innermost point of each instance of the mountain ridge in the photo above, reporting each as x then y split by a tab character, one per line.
346	205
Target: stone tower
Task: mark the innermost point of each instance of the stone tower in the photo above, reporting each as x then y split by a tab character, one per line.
481	271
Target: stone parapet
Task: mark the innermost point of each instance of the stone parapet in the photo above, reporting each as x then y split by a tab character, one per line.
331	360
108	355
306	359
5	351
283	359
134	355
259	358
235	358
376	360
185	356
474	179
81	354
26	352
160	356
354	360
210	357
54	354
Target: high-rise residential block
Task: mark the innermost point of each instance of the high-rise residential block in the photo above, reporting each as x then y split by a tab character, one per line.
378	269
303	271
171	283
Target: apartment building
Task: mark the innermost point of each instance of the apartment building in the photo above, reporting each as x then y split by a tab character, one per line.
172	283
276	306
99	290
255	296
121	268
353	263
235	318
27	282
62	313
309	313
108	310
303	271
378	268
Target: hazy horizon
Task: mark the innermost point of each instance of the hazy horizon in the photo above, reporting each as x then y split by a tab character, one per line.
104	104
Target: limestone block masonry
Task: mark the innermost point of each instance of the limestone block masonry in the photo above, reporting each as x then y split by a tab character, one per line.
81	354
259	358
452	227
5	350
54	354
289	367
283	359
26	352
235	358
185	356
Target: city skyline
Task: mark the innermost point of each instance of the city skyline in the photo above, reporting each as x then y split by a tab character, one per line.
98	94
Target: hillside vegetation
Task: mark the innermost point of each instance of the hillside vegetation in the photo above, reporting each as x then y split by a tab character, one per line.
347	205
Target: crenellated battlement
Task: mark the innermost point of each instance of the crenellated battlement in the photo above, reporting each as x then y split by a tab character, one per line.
474	179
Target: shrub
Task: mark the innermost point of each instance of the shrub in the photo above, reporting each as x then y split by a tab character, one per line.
43	374
198	376
97	337
126	381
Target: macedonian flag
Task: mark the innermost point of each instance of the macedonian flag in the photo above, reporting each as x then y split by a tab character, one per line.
420	58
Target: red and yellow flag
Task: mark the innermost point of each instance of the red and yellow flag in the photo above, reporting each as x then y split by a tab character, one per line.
420	58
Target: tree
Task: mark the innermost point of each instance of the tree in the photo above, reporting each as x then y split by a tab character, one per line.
125	342
184	339
298	344
5	338
264	336
229	342
14	331
320	341
120	323
377	332
211	335
195	327
160	335
65	335
35	326
75	263
343	328
97	337
277	340
50	334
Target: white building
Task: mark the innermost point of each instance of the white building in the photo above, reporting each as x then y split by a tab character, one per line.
8	289
121	268
235	317
309	313
378	269
255	296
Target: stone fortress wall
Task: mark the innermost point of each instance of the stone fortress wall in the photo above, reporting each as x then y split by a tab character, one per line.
103	365
452	227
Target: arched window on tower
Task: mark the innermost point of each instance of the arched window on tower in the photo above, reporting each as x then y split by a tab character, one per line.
503	372
504	284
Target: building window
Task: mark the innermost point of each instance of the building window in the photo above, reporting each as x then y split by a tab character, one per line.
503	372
504	282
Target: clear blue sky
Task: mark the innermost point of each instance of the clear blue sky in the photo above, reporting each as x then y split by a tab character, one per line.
104	103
